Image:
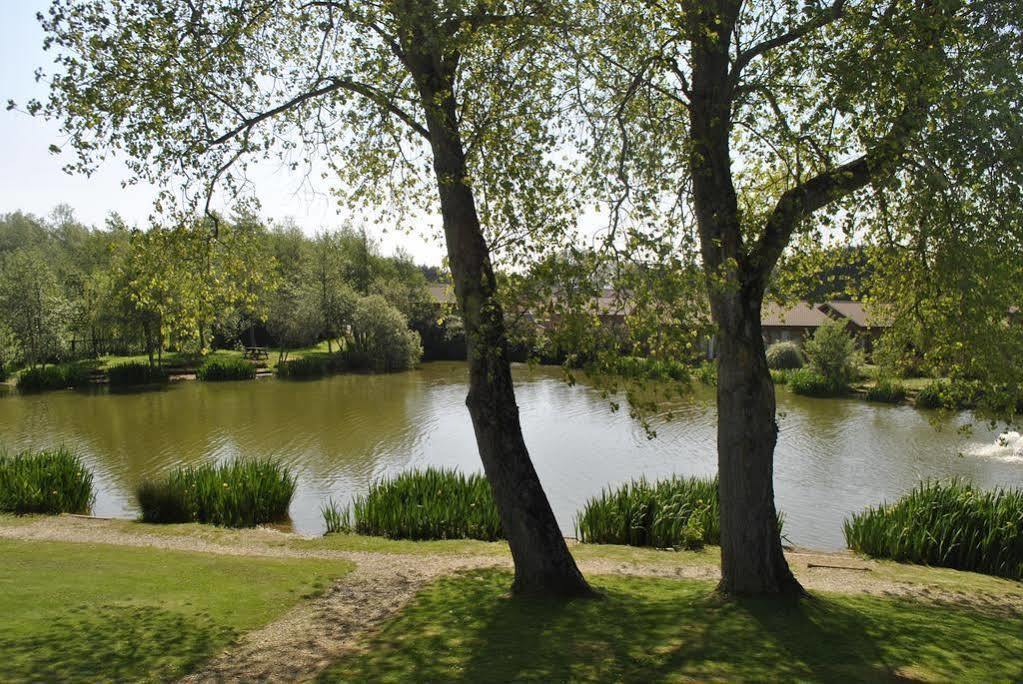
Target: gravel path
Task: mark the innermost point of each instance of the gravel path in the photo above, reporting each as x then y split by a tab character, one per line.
300	644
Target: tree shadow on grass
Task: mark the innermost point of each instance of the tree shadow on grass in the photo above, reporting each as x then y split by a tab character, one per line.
467	629
112	643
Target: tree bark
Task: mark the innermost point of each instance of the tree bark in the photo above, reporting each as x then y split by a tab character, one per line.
752	560
543	563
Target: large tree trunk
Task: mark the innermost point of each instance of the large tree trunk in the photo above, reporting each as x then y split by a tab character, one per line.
543	564
752	561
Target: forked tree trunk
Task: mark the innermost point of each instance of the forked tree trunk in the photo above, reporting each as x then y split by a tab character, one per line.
752	561
543	564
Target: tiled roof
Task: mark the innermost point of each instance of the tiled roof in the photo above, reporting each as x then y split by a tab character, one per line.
798	315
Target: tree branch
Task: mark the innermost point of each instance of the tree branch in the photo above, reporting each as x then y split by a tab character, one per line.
823	18
333	84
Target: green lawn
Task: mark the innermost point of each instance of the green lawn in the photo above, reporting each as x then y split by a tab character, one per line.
465	628
95	612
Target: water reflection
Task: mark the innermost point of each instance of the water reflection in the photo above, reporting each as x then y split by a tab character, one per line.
834	456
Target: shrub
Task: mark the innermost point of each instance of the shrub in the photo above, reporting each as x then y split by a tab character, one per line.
707	373
310	367
44	482
434	503
932	395
780	377
136	373
809	383
949	395
217	370
886	391
58	377
234	494
674	513
382	339
950	524
784	356
832	354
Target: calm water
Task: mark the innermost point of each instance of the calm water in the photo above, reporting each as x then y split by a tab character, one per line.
339	434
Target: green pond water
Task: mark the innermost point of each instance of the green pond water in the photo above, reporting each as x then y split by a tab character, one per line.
340	433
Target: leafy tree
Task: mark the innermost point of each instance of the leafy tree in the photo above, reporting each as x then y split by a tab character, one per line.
32	305
335	297
294	317
832	353
396	98
761	122
381	336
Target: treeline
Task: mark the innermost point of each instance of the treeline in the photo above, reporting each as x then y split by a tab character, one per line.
70	291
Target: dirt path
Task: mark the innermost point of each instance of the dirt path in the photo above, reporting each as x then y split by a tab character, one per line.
300	644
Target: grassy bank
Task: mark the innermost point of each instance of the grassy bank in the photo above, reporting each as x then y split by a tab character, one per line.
465	628
84	612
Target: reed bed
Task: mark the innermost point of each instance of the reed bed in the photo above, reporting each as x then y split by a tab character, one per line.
57	377
426	504
233	494
219	370
950	524
679	512
311	367
887	391
135	373
50	482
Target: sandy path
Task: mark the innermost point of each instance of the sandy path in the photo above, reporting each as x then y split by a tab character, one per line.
300	644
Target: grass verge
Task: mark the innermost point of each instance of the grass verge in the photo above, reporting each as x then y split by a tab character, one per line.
84	612
465	628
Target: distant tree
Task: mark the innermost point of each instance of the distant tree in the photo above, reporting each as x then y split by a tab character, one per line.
294	318
382	337
831	351
32	305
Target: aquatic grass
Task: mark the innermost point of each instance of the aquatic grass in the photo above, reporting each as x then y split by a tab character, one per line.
136	373
886	391
311	367
50	482
678	512
646	368
951	524
56	377
219	370
780	376
810	383
234	494
436	503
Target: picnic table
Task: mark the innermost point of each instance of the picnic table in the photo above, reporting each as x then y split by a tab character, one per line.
257	353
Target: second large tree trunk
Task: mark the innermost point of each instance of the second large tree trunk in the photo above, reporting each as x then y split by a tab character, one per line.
752	561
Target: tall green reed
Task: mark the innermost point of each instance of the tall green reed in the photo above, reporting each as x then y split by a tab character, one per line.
52	482
951	524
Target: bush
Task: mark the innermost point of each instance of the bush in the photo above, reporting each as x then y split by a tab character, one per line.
832	354
430	504
234	494
218	370
707	373
784	356
780	377
136	373
809	383
950	524
382	339
886	391
311	367
674	513
58	377
948	395
50	482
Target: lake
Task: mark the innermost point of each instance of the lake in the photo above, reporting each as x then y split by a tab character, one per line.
834	456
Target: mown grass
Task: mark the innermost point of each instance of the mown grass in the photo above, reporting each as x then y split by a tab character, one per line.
136	373
422	504
233	494
49	482
950	524
102	613
217	369
467	629
679	512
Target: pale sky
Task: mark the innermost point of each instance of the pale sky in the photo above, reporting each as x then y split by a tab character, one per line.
31	178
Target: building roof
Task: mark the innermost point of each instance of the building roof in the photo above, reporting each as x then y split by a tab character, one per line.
855	313
797	315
